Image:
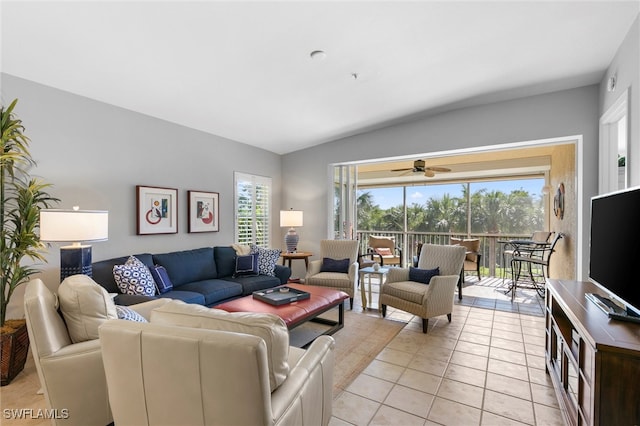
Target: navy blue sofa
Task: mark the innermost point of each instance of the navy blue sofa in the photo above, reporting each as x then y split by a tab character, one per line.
203	276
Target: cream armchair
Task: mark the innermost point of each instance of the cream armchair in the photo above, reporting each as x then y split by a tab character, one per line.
336	250
162	374
425	300
71	374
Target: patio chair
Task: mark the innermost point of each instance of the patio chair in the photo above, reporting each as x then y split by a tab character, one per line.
390	254
534	260
509	249
472	259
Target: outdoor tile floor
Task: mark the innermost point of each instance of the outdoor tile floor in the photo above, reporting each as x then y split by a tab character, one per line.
486	367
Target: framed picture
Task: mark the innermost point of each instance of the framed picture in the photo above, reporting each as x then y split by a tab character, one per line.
204	211
157	210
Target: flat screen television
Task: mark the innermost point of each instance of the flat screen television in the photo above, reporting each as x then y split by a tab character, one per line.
614	249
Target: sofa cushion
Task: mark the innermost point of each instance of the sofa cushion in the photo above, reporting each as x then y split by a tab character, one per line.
185	296
214	291
126	313
161	278
246	265
225	260
134	277
422	275
189	265
267	259
85	305
255	283
269	327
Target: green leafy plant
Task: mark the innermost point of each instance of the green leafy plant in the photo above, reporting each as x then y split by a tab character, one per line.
22	197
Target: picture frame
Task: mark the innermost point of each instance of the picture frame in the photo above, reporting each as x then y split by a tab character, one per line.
157	210
204	211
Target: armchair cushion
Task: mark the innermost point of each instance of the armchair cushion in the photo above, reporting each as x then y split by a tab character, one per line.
422	275
85	305
383	251
471	244
335	265
134	277
270	328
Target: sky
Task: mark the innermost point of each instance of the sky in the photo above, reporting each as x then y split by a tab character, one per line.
391	197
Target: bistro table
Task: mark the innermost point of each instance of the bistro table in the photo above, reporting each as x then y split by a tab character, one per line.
521	248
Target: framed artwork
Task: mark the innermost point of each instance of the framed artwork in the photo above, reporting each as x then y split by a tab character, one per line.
157	210
204	211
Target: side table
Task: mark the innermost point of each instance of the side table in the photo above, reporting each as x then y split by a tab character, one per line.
381	273
298	255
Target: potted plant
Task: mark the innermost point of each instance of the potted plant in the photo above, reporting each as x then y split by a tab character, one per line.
21	198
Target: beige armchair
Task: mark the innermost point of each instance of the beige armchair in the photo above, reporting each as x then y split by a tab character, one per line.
175	375
337	250
425	300
71	374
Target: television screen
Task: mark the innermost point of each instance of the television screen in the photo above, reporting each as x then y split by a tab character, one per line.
614	253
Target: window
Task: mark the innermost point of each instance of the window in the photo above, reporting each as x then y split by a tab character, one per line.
253	209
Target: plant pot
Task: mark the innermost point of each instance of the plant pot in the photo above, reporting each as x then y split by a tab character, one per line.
14	349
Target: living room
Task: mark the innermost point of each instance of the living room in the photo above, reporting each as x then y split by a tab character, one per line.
95	152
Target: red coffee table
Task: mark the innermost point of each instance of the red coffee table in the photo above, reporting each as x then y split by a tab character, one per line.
295	313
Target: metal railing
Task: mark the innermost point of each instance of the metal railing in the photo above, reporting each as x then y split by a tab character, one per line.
490	246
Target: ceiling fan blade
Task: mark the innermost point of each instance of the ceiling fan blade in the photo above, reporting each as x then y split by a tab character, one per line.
438	169
402	170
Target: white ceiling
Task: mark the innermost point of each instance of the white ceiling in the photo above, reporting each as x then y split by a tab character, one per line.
242	70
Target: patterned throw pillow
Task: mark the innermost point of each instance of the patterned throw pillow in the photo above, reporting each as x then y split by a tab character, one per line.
246	266
267	259
384	251
161	278
129	314
422	275
334	265
134	278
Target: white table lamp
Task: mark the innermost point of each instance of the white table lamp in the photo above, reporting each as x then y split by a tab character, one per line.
74	226
291	218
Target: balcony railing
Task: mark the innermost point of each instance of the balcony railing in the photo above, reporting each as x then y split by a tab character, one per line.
490	248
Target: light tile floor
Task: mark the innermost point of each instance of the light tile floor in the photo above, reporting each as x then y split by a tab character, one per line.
486	367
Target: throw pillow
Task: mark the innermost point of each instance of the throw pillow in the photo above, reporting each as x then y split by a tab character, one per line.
126	313
161	279
267	259
422	275
271	328
241	249
384	251
335	265
134	278
85	305
246	266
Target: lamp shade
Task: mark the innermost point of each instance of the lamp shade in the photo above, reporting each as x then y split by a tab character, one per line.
290	217
74	225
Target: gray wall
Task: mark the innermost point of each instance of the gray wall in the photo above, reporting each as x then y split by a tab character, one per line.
553	115
626	67
95	154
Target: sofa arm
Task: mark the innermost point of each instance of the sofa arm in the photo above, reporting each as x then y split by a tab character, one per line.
308	391
283	273
145	308
75	380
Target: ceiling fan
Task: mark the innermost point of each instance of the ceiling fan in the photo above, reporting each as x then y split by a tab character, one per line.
419	167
